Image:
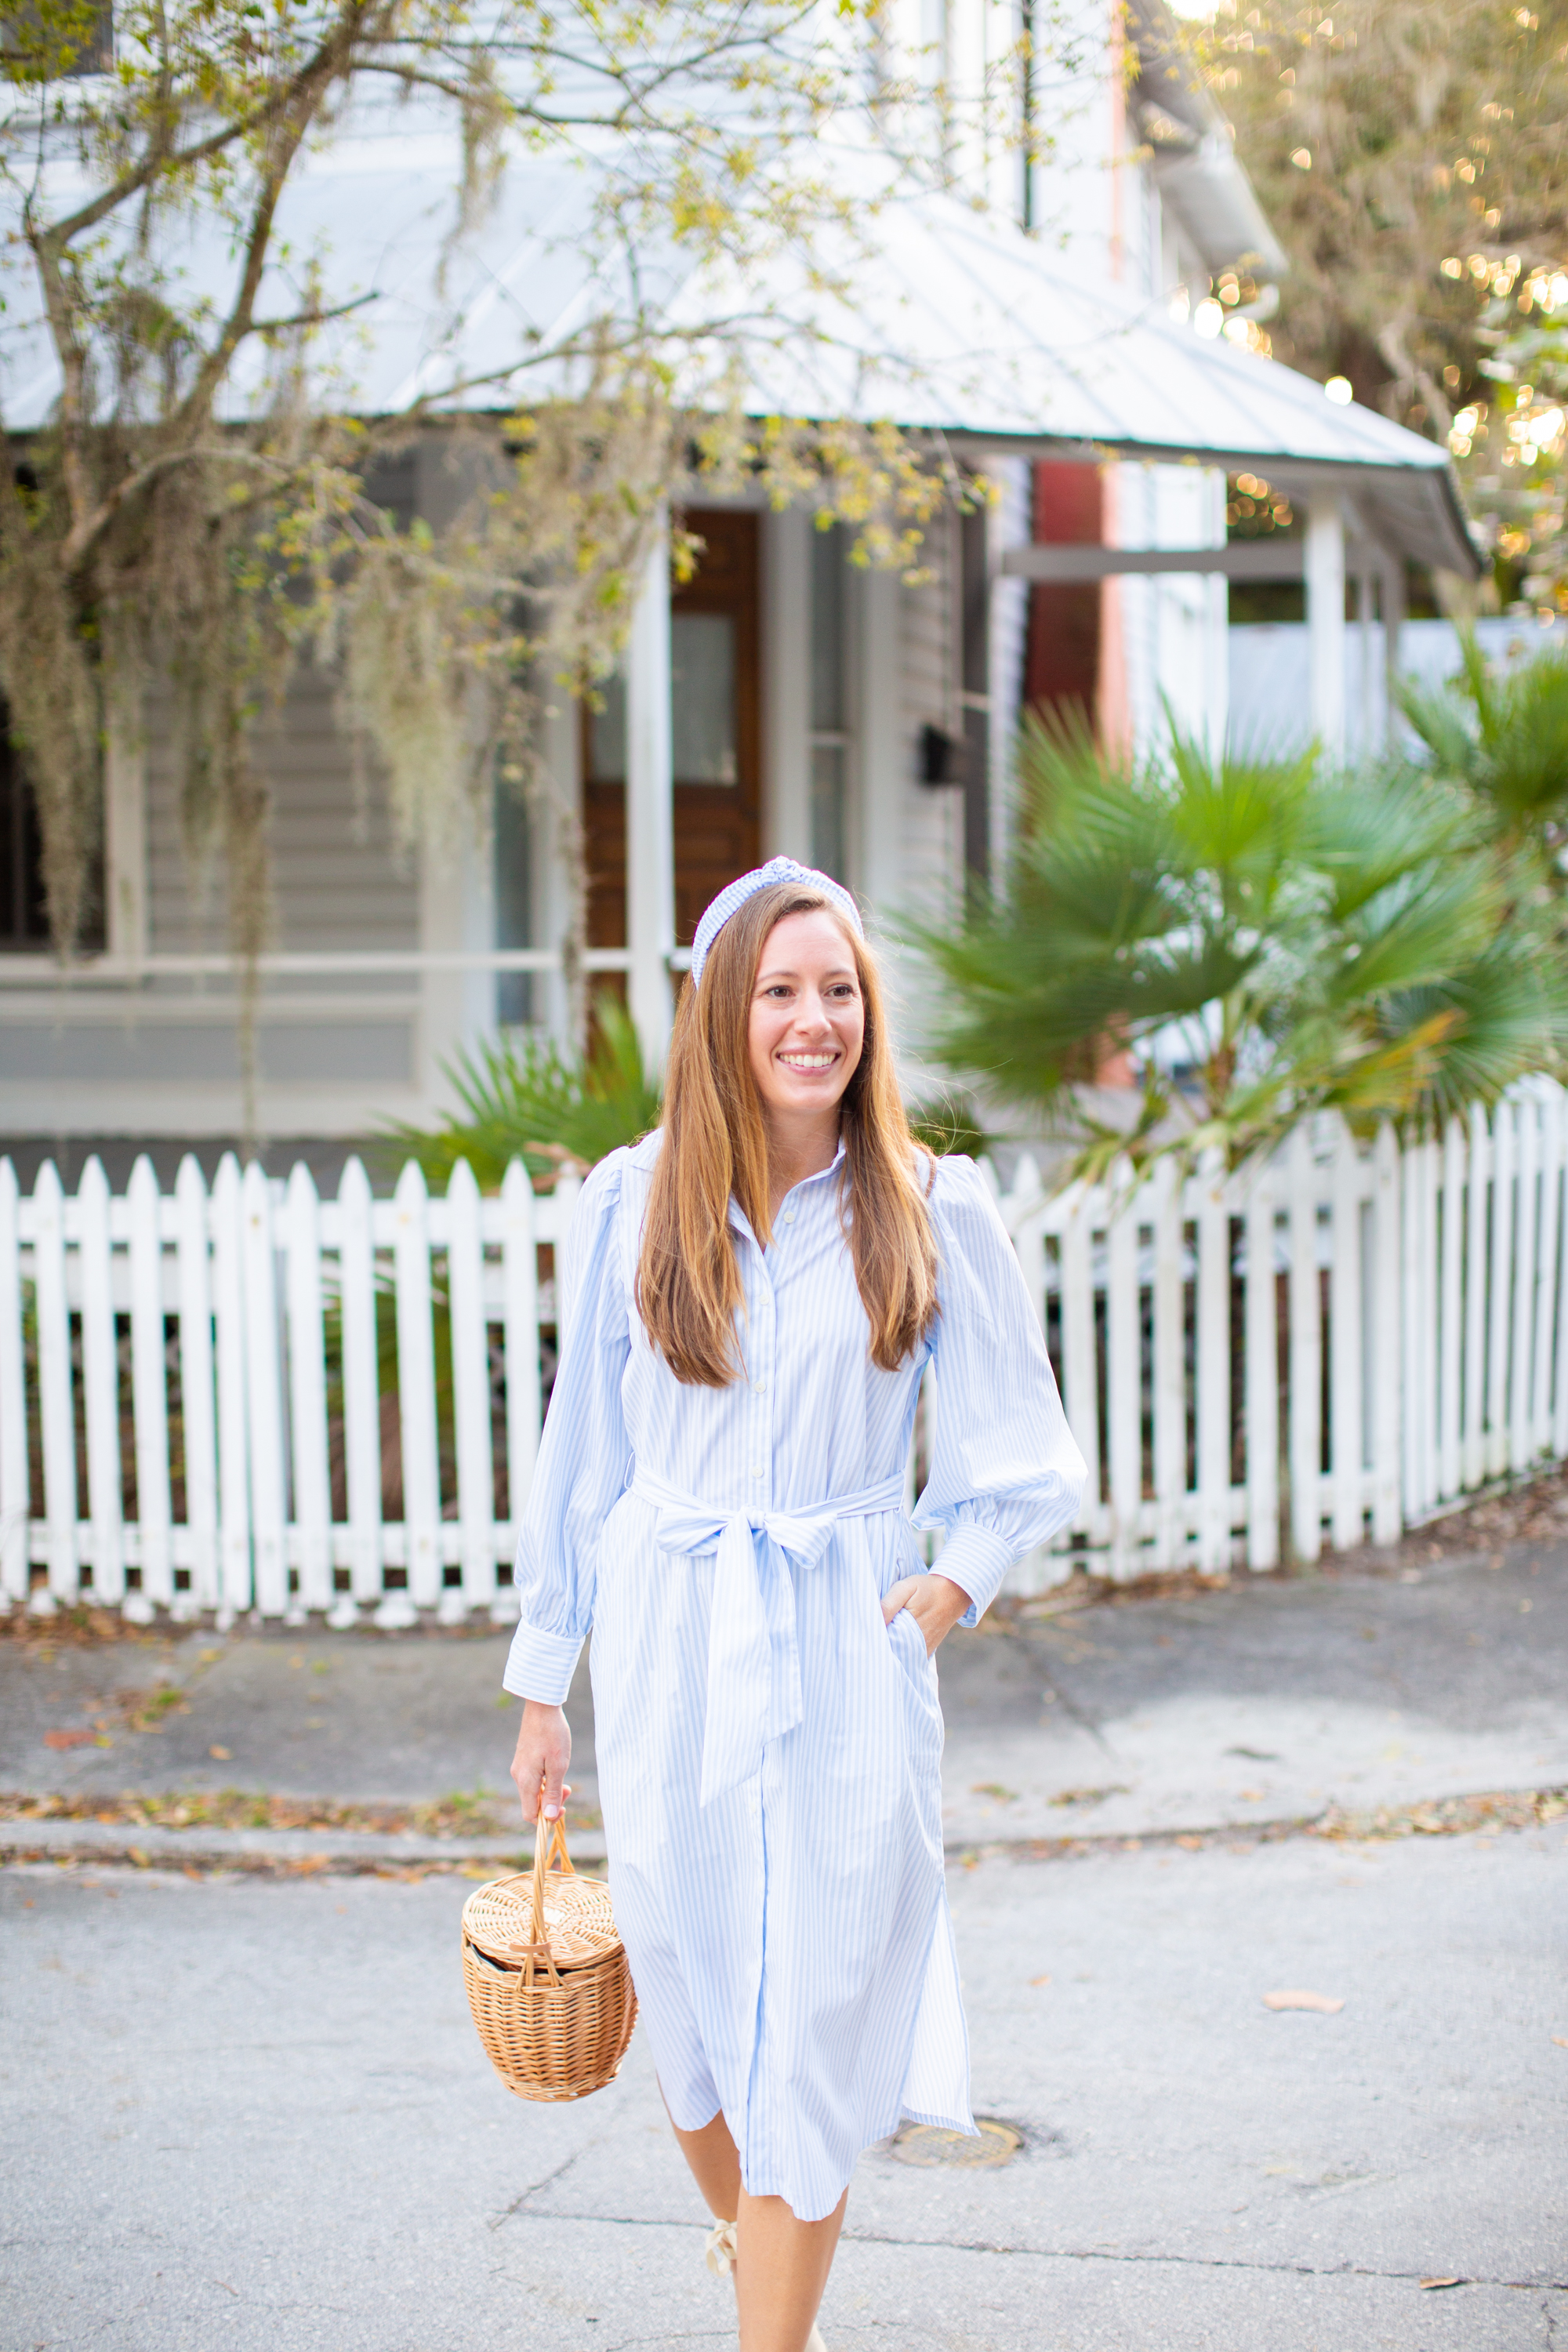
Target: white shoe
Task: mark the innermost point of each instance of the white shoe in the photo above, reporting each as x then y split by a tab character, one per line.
722	2249
721	2254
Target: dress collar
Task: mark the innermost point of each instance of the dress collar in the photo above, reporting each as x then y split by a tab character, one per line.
741	1224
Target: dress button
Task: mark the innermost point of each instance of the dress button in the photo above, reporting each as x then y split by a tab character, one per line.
758	1471
789	1216
761	1387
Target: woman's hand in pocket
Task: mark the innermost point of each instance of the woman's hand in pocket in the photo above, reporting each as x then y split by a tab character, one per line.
935	1603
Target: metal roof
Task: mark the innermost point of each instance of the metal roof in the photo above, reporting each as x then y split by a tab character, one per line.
935	316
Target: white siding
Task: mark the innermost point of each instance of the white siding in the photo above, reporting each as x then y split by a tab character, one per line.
336	880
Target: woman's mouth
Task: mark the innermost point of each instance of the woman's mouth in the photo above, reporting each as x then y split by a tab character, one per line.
807	1062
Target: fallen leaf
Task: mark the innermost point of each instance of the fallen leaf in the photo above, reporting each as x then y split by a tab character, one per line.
995	1789
1561	2040
70	1740
224	1755
1318	2000
1251	1796
1190	1845
144	1861
1442	2281
1039	1980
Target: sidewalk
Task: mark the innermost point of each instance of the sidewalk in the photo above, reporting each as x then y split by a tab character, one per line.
1377	1683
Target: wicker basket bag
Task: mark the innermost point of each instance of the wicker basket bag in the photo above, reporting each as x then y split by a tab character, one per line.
547	1976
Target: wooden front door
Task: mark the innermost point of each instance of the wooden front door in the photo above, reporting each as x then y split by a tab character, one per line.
716	711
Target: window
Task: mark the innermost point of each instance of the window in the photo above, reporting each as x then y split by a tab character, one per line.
24	917
24	909
512	867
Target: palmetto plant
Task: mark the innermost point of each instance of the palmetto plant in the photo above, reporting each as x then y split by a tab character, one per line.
528	1101
1502	736
1278	942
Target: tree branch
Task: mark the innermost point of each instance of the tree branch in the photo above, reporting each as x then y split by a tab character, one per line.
85	535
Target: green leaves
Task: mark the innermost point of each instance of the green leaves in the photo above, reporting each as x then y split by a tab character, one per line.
527	1101
1503	738
1264	942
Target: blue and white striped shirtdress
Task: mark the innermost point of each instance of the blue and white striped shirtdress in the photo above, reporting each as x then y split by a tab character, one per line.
768	1750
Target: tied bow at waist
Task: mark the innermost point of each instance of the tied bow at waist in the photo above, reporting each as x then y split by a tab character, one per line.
753	1661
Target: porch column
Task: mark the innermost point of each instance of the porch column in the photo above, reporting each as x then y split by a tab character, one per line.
1326	622
786	684
1392	580
878	867
1007	525
650	806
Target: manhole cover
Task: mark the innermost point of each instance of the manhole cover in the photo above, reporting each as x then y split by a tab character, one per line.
998	2142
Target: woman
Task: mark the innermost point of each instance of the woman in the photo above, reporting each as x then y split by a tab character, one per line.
753	1294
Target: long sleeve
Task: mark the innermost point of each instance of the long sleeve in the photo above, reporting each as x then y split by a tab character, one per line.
1005	1473
584	1453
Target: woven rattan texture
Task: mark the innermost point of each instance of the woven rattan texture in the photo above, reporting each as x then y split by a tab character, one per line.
547	1979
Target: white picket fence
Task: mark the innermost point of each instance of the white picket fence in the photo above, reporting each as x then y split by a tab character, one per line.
272	1401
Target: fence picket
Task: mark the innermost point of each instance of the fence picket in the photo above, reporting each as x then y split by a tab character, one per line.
1499	1289
1450	1311
1262	1334
1477	1194
308	1394
101	1394
416	1391
15	1498
1124	1378
520	1293
1426	1176
264	1397
238	1570
1214	1365
1347	1340
361	1387
1306	1354
470	1394
1384	1352
1170	1373
197	1394
149	1386
1548	1235
1080	1369
57	1400
1528	1131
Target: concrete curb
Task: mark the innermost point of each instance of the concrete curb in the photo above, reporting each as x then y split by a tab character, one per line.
215	1849
357	1851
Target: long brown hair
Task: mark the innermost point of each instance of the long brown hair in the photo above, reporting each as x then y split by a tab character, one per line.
716	1148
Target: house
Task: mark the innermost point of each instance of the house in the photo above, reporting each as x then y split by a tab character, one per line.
1085	331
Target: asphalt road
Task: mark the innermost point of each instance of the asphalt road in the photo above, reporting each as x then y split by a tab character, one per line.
252	2113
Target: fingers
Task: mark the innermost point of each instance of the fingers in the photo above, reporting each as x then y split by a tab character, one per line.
899	1596
554	1786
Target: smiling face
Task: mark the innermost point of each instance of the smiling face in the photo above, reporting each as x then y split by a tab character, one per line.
807	1023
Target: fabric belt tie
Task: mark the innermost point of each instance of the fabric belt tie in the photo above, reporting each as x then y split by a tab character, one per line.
753	1660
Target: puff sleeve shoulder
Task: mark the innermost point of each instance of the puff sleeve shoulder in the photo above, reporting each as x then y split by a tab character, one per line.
583	1454
1005	1473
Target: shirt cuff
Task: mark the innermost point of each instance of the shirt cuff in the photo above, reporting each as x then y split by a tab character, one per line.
976	1561
540	1667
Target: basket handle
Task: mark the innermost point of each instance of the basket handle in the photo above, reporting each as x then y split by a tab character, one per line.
548	1849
